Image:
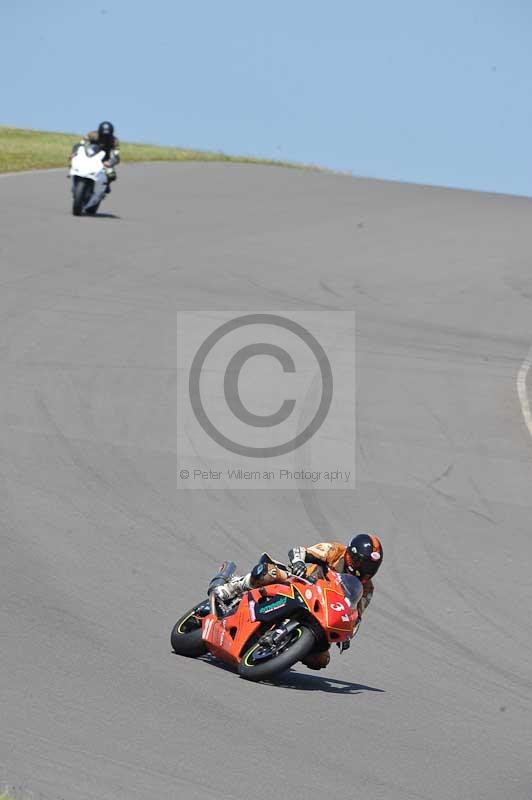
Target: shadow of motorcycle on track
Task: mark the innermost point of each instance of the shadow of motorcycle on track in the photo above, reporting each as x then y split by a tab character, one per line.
299	681
317	683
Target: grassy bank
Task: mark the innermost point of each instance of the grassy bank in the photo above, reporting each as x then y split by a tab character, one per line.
22	149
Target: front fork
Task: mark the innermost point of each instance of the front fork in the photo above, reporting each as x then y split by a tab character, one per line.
281	632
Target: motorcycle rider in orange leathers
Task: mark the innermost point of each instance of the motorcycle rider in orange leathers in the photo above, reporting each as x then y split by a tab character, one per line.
361	557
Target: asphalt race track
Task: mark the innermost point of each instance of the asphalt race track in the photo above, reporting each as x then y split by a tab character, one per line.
100	553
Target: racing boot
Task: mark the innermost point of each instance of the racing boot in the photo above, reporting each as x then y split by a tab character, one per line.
317	660
233	588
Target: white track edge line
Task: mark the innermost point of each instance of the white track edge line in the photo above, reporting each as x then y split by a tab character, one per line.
522	392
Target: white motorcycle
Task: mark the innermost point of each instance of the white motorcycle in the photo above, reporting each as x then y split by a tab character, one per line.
89	178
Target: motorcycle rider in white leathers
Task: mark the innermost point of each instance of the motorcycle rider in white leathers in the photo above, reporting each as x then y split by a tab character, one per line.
105	138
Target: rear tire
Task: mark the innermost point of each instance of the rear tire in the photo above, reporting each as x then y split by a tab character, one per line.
263	670
186	637
82	192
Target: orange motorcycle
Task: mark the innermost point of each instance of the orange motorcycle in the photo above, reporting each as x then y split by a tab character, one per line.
269	629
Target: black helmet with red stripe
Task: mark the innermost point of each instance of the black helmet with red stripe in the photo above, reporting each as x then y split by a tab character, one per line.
363	556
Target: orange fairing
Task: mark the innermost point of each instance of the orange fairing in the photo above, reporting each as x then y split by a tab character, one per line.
326	605
226	637
338	613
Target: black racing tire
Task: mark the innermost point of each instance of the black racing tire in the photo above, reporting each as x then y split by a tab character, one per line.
83	188
264	670
186	639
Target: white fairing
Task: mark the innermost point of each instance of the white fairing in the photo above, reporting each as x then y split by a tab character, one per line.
84	165
88	166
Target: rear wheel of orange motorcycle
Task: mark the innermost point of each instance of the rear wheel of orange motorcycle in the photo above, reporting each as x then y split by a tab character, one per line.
186	634
260	662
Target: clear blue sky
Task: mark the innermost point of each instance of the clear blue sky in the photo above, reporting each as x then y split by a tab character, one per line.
423	91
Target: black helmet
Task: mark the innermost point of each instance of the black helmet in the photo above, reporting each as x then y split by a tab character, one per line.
106	131
363	555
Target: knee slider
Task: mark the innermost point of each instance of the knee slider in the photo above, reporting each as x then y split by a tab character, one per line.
257	574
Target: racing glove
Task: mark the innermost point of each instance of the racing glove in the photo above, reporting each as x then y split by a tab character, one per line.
297	561
299	569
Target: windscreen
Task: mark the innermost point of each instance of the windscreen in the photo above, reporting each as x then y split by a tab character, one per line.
352	587
92	149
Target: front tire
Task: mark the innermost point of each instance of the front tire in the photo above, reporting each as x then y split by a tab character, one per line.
82	193
93	209
186	639
300	646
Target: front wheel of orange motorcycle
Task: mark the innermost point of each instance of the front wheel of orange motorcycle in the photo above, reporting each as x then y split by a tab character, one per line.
186	638
267	658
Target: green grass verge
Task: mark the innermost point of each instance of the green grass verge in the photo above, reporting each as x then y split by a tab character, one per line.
22	149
